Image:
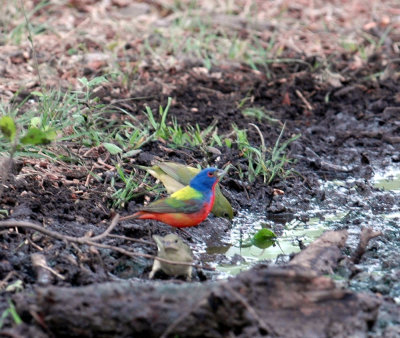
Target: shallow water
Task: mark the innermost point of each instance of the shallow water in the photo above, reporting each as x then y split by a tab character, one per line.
345	206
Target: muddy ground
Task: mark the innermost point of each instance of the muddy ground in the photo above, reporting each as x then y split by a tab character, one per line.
348	119
340	138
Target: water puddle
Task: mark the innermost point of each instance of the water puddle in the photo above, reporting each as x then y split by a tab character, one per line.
247	224
388	180
346	206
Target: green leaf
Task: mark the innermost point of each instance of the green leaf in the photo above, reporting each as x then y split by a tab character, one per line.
36	121
84	81
97	80
264	238
17	319
112	148
35	136
35	93
7	127
131	153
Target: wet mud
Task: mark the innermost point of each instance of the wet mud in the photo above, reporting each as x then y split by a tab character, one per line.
347	132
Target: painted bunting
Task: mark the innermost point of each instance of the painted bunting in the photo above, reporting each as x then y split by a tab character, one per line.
186	207
175	176
172	247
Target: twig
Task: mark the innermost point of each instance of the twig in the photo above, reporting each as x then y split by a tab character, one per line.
366	235
30	38
302	98
125	218
37	247
110	167
87	181
3	283
113	224
132	239
43	271
88	241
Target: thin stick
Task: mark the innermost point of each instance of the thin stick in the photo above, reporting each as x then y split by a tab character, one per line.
366	235
302	98
132	239
113	224
88	241
125	218
3	283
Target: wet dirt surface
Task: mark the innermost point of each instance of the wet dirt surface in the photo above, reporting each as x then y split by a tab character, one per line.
346	132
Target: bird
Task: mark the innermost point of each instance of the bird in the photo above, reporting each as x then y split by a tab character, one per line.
175	176
186	207
173	248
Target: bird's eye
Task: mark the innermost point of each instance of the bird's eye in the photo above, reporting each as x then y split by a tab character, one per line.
210	174
176	241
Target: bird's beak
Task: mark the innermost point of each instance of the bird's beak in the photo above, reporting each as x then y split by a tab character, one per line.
219	173
171	246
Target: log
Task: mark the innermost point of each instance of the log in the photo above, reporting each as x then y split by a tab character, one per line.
273	302
290	301
323	254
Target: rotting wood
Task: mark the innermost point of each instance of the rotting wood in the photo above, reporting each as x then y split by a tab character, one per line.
366	235
290	301
323	254
287	302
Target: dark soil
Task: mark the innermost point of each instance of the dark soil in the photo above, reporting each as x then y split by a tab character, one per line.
344	131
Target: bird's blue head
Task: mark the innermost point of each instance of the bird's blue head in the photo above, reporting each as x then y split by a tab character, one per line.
205	180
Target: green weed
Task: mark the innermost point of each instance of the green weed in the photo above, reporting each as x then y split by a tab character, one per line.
260	114
174	134
10	311
133	186
270	165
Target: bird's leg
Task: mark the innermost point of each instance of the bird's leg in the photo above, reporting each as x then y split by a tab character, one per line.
156	267
189	274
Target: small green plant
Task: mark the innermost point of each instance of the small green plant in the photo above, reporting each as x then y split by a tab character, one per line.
269	167
129	190
161	129
175	134
260	114
32	136
133	186
262	239
10	311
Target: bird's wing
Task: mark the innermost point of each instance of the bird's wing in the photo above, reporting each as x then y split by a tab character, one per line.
179	172
170	183
186	200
